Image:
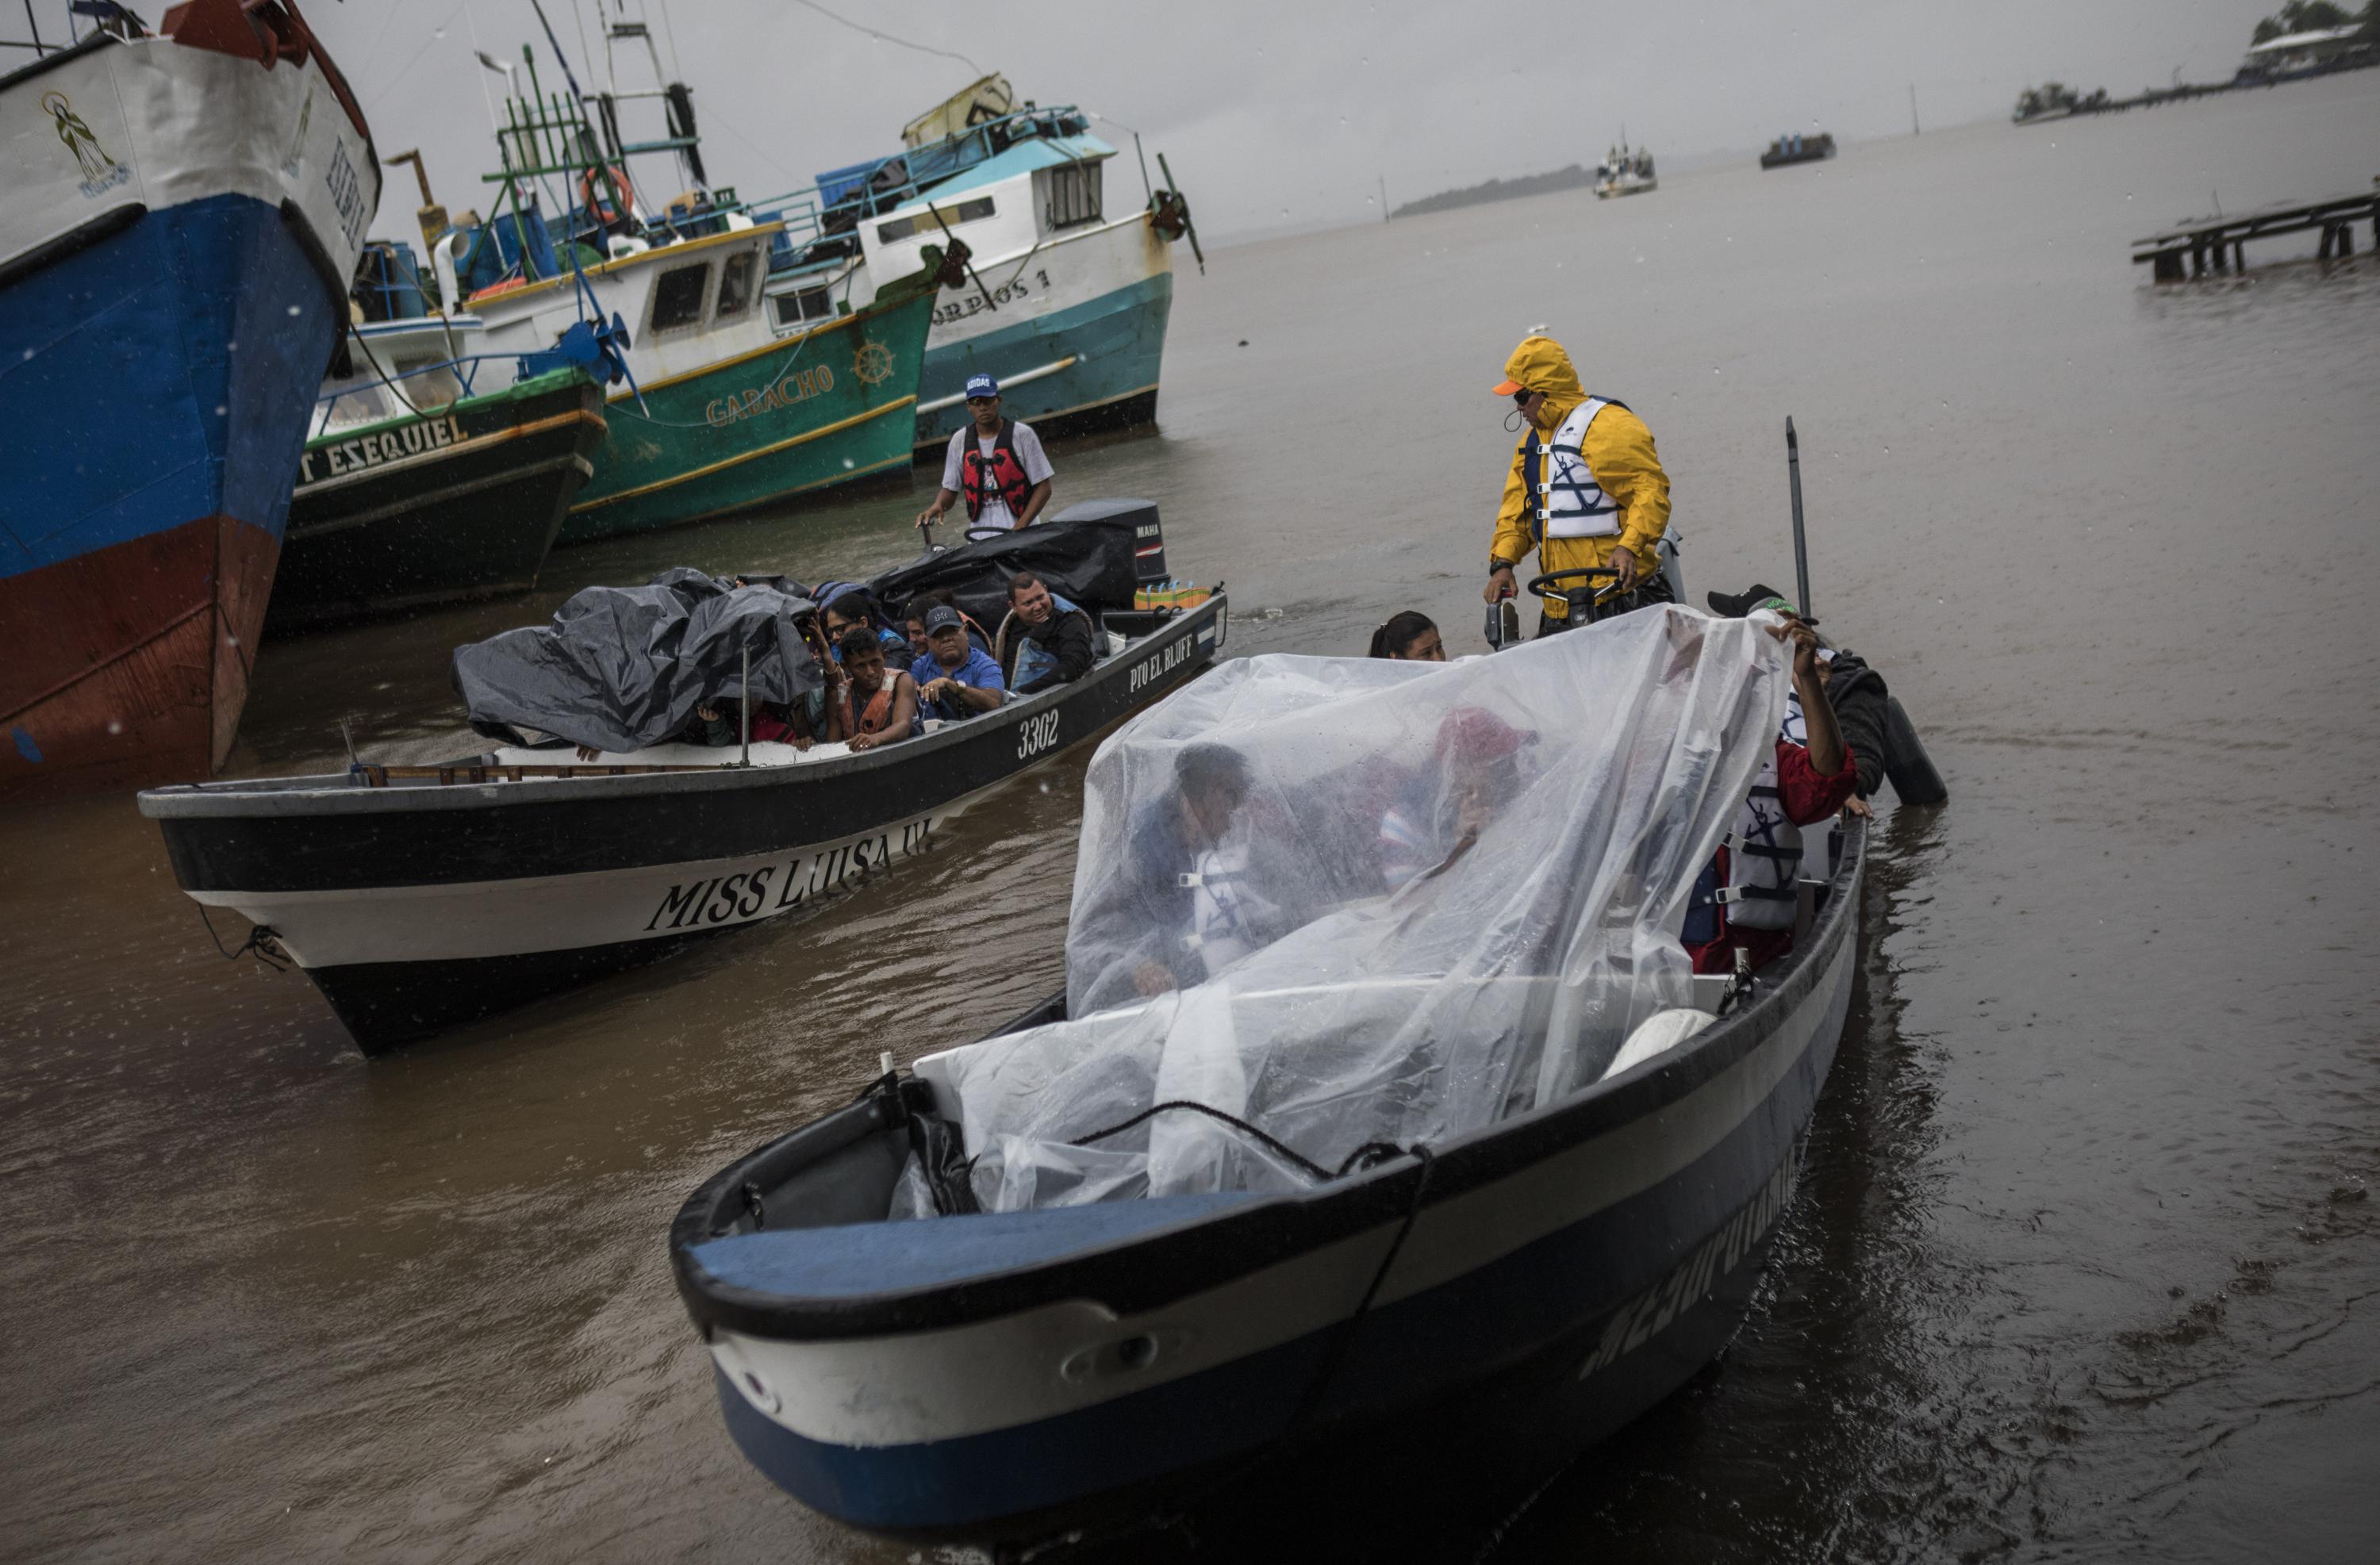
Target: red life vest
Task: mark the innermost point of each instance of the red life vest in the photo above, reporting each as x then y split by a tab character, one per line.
1001	473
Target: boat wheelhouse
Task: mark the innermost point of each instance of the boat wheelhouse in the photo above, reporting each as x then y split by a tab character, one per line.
722	413
185	209
1064	300
1793	147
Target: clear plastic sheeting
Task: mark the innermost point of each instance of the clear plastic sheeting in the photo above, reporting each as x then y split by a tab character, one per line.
1358	901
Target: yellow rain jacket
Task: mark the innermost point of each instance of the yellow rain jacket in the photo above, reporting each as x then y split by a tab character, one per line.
1619	449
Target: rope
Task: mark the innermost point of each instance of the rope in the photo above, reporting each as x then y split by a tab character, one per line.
258	934
1370	1154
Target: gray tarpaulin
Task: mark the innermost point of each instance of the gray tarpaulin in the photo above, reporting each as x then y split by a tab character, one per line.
1444	895
623	667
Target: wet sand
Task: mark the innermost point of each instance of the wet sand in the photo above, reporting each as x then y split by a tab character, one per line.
2083	1261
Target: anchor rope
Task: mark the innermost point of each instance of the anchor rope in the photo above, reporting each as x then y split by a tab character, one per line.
258	934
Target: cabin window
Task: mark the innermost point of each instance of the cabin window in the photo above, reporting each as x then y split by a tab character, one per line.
735	286
810	304
677	297
902	228
1073	195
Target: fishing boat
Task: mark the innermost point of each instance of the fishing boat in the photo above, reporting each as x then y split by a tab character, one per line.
1793	147
1492	1167
724	414
420	897
1063	300
185	209
1625	172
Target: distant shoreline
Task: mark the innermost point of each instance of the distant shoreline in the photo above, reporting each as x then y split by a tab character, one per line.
1574	178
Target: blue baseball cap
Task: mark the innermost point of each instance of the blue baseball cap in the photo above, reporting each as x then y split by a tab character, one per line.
982	385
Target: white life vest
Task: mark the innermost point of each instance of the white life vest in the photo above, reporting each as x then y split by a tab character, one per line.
1567	502
1763	851
1226	916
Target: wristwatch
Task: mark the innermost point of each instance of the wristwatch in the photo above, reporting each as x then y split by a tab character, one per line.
1494	565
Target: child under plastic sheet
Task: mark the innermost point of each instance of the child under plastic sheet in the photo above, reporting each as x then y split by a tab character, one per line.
1459	886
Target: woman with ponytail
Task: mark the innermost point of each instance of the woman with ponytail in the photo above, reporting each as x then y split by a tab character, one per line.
1410	638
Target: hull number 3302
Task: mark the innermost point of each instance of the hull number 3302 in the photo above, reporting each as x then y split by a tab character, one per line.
1038	734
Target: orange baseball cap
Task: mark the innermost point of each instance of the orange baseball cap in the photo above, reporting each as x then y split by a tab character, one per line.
1505	388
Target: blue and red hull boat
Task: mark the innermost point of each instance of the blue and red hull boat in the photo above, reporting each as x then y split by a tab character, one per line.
186	211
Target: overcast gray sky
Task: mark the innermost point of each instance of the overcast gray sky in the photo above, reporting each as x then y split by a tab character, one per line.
1276	112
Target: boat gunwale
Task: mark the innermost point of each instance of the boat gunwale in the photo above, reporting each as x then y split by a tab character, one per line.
1123	1274
331	794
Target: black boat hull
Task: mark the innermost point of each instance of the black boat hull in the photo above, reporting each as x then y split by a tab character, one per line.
469	515
419	907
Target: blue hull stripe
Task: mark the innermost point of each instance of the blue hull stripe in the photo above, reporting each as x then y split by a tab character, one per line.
160	376
1549	1294
1117	339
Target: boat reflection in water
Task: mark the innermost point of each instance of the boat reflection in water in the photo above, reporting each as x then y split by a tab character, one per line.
1476	1156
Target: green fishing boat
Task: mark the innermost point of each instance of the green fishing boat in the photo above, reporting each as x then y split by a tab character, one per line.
720	413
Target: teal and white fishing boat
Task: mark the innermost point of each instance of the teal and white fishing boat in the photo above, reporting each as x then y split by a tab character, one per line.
1064	299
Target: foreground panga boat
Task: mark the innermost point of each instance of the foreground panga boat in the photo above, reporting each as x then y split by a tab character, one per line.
1425	1196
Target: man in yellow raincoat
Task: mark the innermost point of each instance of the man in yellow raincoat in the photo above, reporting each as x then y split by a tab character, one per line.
1585	488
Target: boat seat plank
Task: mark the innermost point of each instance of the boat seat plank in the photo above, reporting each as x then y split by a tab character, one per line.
896	1257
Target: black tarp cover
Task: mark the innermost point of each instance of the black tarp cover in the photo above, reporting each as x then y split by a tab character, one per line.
621	668
1087	558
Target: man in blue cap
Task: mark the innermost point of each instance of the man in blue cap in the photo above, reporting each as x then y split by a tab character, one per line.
995	466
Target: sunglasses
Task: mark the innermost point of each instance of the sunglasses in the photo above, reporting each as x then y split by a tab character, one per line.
1520	398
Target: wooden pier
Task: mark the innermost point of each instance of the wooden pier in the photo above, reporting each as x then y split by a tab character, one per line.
2220	244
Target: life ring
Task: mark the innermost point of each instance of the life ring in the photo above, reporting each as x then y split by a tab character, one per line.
587	198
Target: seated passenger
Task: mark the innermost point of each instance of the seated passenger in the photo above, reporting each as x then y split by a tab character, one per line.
857	606
1187	882
1045	640
955	679
1445	809
1409	637
875	705
1747	898
914	623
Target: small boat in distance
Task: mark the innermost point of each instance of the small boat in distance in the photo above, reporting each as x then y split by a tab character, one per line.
184	215
1066	298
1625	172
1793	147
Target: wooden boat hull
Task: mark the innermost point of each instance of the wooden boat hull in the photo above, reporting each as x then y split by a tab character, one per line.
1563	1272
446	506
418	908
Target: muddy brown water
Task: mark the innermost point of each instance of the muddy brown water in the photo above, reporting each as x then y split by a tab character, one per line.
2083	1263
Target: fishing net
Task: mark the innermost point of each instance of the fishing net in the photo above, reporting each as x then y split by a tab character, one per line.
1353	901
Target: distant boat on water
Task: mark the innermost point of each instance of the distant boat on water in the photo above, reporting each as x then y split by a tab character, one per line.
185	210
1793	147
1625	172
1066	301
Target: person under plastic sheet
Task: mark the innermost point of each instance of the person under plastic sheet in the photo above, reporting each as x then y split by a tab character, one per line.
1411	636
1442	810
1538	933
1185	903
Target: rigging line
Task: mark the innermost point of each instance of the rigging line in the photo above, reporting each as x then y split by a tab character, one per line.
669	30
888	38
435	34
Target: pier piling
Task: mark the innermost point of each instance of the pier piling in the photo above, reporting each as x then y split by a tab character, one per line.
2220	244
